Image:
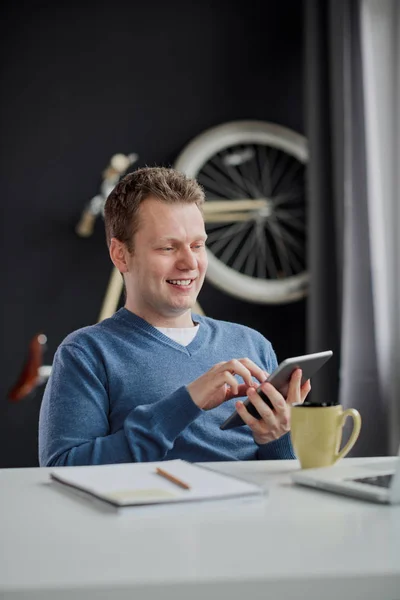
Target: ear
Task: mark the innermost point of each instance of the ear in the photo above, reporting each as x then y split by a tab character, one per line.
119	255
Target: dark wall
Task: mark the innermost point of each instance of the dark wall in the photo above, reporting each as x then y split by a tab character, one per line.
82	81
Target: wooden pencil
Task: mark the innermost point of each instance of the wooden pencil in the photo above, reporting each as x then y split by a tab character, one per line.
172	478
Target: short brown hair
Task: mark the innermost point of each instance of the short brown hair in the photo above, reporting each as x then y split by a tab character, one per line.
121	211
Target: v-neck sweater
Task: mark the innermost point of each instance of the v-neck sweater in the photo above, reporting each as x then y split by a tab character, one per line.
118	393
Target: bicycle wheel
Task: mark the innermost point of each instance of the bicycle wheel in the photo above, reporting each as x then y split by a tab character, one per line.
253	174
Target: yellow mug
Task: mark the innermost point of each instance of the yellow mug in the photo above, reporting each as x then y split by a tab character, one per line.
316	431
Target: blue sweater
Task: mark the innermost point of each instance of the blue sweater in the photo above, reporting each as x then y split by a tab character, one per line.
117	393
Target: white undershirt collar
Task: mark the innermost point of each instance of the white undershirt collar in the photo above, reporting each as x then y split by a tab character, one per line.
181	335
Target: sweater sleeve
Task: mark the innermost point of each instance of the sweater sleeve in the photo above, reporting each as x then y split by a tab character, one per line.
280	449
74	427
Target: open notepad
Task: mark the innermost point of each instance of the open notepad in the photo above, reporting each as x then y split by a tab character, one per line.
138	484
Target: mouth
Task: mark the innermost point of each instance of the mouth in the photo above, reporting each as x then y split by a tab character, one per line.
182	283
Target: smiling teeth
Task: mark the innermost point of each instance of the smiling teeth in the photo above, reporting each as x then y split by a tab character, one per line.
180	281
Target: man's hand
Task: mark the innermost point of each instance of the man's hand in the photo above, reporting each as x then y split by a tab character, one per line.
273	424
219	383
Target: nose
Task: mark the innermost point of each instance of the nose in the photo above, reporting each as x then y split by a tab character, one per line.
187	260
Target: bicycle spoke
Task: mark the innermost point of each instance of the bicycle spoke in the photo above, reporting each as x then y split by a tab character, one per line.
289	176
266	252
265	172
289	198
290	219
231	248
234	175
286	268
295	212
243	169
249	267
277	255
212	195
280	249
261	258
279	171
286	253
210	184
230	174
292	242
220	179
244	251
256	173
228	231
297	266
214	226
293	249
217	245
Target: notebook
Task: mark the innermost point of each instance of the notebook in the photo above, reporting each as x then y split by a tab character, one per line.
139	484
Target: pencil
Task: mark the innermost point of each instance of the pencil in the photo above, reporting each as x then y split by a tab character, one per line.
172	478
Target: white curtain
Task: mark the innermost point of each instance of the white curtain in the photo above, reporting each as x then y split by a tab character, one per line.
380	47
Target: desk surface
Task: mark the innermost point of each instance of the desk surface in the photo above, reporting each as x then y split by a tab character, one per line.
295	543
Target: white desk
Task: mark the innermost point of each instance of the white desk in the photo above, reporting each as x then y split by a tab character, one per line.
297	543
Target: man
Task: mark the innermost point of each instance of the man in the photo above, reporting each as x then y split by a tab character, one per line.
155	382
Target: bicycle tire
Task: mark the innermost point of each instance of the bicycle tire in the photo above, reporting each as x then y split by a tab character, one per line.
218	151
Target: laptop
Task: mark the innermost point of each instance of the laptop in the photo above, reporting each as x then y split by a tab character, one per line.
377	482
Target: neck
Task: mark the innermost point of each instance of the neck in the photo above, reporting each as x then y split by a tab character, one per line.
167	321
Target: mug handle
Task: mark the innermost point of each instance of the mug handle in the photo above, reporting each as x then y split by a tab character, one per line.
355	415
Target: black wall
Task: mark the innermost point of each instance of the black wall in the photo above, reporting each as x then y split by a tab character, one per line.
81	81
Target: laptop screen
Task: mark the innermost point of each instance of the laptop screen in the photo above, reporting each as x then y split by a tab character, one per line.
383	481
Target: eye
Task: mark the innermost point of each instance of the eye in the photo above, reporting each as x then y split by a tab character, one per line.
167	248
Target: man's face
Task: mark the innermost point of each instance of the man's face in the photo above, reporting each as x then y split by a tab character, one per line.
167	267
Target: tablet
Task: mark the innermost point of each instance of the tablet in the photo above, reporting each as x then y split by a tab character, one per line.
280	378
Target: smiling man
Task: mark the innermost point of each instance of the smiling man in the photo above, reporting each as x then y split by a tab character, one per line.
165	271
155	381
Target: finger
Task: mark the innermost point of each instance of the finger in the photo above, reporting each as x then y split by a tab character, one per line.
294	394
242	391
280	420
251	421
254	369
305	390
277	420
236	366
276	398
229	379
262	408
